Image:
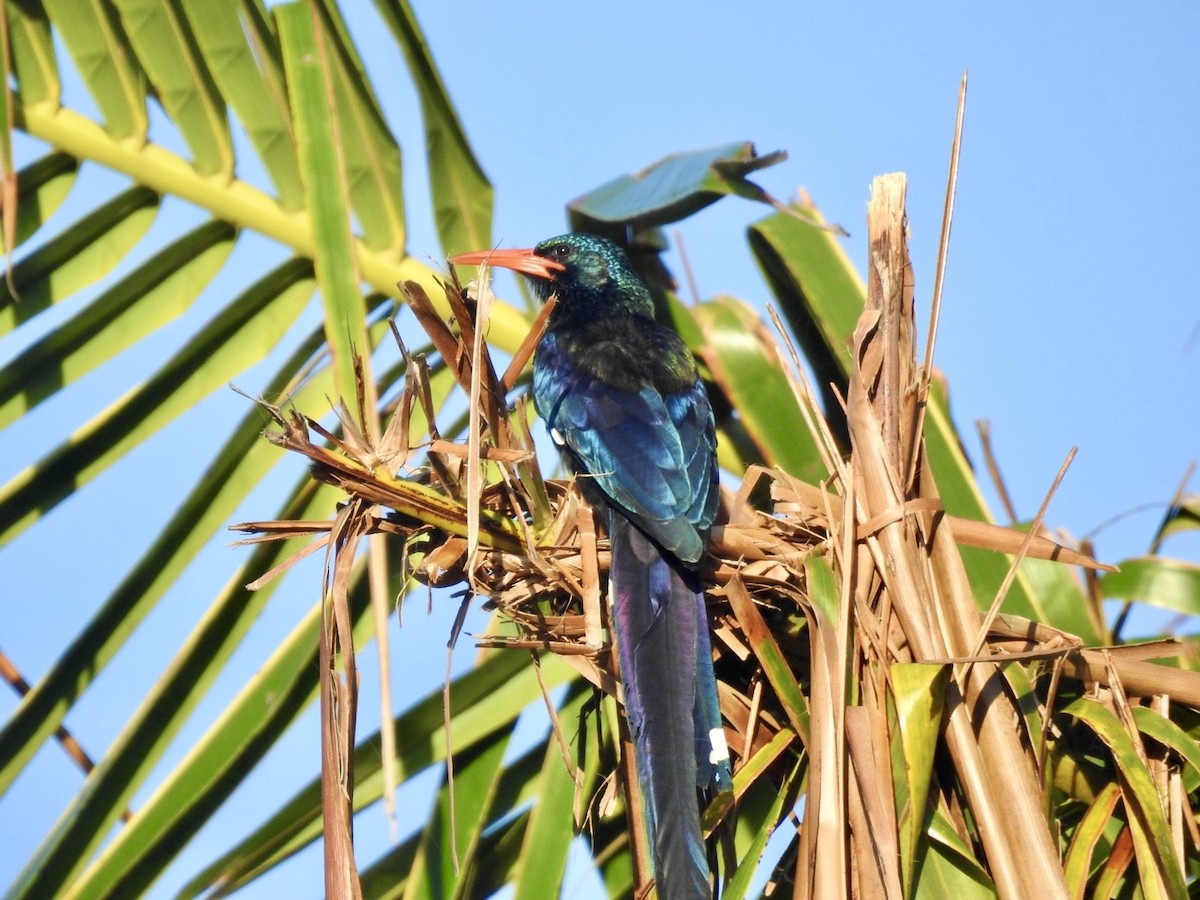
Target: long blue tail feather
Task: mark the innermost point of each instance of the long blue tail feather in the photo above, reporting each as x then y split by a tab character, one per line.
670	701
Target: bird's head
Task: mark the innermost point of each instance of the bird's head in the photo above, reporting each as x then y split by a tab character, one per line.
591	275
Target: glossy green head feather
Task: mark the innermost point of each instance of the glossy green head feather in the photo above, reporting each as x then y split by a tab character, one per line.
597	279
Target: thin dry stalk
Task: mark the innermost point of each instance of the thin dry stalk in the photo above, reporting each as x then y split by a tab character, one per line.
339	707
939	278
377	573
984	430
1021	553
74	750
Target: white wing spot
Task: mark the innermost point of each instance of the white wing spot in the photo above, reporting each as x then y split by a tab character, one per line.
720	749
556	436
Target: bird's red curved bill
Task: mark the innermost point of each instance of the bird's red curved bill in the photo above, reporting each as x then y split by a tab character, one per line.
527	262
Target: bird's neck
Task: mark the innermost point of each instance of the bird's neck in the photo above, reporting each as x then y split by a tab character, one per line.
612	301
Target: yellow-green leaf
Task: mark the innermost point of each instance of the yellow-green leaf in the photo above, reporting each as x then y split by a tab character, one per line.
211	359
305	57
1157	580
168	54
918	691
156	293
33	58
41	187
106	62
80	255
1147	821
462	196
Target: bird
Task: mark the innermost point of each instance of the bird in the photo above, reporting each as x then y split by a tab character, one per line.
623	401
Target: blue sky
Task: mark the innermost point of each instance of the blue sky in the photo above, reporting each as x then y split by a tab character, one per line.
1070	315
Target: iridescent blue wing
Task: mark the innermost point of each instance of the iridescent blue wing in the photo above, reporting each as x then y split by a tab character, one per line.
692	417
652	456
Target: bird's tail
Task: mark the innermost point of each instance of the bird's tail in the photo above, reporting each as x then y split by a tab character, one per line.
670	701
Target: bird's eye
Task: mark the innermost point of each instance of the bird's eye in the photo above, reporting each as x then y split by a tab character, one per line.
561	250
